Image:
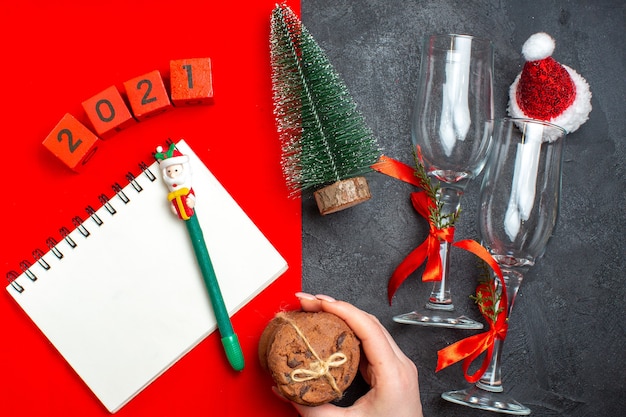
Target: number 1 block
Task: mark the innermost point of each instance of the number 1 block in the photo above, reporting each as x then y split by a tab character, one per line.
191	81
72	142
107	112
147	95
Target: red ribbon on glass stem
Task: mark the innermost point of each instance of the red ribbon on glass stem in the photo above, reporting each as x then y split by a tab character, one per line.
470	348
427	252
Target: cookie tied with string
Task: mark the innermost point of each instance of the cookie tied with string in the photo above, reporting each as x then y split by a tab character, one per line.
312	357
547	90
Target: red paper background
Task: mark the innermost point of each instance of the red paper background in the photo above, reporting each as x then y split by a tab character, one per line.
57	54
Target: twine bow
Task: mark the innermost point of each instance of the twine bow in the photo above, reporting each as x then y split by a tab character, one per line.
320	368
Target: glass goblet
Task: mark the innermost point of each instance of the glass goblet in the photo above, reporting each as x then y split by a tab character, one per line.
519	205
452	125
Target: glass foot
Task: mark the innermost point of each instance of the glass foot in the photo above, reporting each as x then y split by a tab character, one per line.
485	400
438	318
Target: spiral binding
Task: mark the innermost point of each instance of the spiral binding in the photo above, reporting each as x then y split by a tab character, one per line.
78	223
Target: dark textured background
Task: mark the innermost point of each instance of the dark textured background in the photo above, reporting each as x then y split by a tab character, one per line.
565	352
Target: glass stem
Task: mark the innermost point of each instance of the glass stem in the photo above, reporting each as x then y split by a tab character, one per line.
440	297
492	378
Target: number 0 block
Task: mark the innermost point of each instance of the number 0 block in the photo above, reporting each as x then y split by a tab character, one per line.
147	95
191	81
72	142
107	112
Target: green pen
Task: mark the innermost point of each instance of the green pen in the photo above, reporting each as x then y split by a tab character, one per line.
176	174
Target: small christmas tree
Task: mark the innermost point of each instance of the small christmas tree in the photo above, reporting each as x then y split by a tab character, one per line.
324	138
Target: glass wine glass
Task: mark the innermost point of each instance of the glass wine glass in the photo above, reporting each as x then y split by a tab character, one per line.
452	125
519	204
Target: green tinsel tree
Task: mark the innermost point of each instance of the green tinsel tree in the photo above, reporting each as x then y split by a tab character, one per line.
324	138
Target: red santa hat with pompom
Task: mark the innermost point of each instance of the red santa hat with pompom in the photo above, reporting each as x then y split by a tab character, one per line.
547	90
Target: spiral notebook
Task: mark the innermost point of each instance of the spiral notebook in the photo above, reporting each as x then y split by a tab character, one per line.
121	296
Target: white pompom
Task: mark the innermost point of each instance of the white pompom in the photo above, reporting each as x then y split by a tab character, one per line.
159	149
538	46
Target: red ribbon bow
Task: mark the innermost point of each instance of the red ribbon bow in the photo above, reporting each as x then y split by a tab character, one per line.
428	251
470	348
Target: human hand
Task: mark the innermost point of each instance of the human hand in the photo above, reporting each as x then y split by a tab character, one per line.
392	376
191	201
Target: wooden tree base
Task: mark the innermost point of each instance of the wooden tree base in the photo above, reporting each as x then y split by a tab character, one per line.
342	194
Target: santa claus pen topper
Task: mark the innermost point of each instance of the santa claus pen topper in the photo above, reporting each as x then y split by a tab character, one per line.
176	172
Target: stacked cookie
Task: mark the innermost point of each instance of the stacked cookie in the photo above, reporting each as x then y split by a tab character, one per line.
312	357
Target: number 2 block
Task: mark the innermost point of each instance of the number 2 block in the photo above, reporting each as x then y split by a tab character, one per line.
107	112
147	95
72	142
191	81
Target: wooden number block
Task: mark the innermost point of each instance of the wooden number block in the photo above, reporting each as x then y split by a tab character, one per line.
107	112
147	95
191	81
72	142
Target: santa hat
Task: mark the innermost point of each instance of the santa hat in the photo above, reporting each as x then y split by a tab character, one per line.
547	90
172	157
